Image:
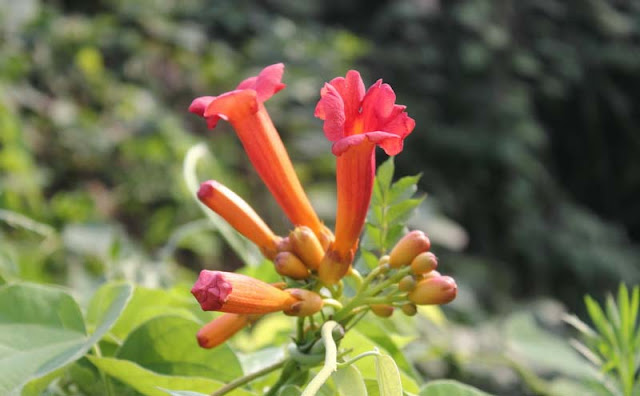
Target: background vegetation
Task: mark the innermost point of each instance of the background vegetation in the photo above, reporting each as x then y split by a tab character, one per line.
526	138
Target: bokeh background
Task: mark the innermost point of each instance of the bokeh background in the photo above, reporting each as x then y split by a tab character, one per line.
526	136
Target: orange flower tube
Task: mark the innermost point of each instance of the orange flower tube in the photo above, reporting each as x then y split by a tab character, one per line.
244	109
220	329
240	215
356	122
236	293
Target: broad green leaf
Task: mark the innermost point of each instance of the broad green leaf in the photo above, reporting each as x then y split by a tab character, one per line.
404	188
148	303
41	330
183	393
372	329
384	175
388	376
37	386
450	388
167	345
400	212
349	382
151	384
355	340
372	387
107	304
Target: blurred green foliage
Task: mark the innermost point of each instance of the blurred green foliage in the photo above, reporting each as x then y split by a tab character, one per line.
526	136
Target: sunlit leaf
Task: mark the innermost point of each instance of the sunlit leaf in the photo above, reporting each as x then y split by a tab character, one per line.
450	388
349	382
152	384
167	345
41	330
388	376
404	188
384	175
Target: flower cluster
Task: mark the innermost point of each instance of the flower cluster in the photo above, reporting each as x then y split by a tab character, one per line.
355	121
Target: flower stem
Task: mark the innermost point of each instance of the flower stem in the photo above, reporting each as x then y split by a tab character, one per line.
330	360
248	378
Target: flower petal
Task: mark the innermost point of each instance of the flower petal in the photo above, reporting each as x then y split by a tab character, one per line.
267	83
381	138
330	108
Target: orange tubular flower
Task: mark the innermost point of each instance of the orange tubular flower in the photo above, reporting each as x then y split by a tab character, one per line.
239	215
236	293
221	329
244	109
356	122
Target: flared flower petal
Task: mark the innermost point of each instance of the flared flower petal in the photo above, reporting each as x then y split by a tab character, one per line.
244	109
356	122
236	293
240	215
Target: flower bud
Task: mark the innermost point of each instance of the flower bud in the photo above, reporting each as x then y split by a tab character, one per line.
382	310
438	290
384	260
408	248
306	246
308	302
237	293
430	274
407	283
284	245
287	264
409	309
326	237
221	329
423	263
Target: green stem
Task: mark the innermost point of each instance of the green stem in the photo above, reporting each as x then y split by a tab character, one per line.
360	356
248	378
333	303
103	376
330	360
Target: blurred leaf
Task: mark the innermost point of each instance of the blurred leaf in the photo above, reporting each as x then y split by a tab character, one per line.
167	345
148	303
372	329
360	343
108	303
290	390
183	393
384	175
150	384
531	346
450	388
349	381
400	212
404	188
41	330
388	376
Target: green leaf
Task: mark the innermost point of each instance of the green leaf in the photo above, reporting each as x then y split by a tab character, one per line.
384	175
41	330
400	212
404	188
148	303
290	390
370	259
388	376
531	345
167	345
355	340
349	382
394	233
151	384
183	393
372	329
372	387
107	304
450	388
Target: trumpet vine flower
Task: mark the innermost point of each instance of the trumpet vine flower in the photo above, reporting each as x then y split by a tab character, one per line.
356	122
244	109
240	215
